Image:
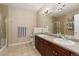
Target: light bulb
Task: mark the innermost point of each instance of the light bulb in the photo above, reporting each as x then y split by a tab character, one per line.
59	10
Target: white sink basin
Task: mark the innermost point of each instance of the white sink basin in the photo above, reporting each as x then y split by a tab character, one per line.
64	41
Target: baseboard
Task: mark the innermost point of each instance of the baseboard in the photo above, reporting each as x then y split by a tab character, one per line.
4	47
14	44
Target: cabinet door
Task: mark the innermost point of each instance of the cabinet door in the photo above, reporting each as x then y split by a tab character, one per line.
39	45
48	51
52	50
73	54
36	41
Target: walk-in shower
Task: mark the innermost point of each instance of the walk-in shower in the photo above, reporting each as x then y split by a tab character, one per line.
2	31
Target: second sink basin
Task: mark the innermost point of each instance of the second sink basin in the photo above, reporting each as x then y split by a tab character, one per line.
64	41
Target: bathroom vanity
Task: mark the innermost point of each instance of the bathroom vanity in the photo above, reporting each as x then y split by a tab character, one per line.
48	47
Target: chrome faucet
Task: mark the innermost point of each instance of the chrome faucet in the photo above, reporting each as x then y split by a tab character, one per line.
61	36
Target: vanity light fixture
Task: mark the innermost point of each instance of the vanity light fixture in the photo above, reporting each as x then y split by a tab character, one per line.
45	12
60	6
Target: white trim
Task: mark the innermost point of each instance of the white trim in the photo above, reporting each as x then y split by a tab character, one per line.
3	48
14	44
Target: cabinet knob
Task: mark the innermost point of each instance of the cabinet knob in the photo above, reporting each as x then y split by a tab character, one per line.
44	42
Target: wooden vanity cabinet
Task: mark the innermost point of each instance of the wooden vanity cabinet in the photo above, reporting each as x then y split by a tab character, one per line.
39	45
47	48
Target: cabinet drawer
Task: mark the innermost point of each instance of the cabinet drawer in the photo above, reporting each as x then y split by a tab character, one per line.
59	49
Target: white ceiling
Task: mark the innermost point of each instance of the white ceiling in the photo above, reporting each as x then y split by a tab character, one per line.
69	7
32	6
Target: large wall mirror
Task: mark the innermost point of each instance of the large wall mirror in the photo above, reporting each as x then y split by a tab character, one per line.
63	25
67	26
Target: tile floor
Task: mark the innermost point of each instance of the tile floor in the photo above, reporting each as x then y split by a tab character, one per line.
20	50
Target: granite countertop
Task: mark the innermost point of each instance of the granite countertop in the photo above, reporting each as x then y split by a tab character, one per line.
74	48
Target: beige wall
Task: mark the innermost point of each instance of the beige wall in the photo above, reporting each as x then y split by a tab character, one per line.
44	21
19	17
